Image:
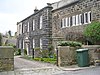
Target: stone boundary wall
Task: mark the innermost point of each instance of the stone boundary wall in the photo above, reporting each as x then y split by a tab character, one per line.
6	58
92	53
66	55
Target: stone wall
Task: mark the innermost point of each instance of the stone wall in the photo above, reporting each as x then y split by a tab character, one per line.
6	58
79	7
66	55
92	53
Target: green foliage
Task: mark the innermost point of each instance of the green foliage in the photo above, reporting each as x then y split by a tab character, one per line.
45	53
37	48
92	31
48	60
0	39
18	52
69	43
25	51
50	48
9	32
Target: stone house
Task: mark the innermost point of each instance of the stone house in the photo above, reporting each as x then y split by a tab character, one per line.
70	17
35	30
62	20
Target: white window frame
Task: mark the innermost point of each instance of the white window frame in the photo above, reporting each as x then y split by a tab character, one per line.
67	22
89	17
77	20
85	17
20	28
80	19
41	21
33	24
73	20
23	44
28	27
40	43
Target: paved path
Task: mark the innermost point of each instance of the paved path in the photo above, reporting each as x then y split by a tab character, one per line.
20	63
27	67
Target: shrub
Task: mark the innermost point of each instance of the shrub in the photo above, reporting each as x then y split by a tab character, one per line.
69	43
25	51
92	32
45	53
18	52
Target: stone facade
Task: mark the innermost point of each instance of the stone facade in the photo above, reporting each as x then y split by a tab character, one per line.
6	59
63	20
35	30
72	9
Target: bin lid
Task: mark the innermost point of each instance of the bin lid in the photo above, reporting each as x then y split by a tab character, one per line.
80	50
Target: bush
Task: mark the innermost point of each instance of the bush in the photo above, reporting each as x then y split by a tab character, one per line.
92	32
18	52
45	53
69	43
48	60
25	51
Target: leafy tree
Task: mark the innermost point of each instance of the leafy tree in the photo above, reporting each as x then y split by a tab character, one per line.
9	32
92	31
0	39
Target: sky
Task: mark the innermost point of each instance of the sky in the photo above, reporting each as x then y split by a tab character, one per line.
13	11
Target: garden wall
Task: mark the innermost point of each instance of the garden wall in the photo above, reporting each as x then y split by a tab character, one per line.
92	53
66	55
6	58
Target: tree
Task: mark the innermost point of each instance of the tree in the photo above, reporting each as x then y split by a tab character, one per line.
0	39
92	32
9	32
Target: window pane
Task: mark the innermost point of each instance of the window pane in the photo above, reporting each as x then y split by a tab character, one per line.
33	43
71	21
33	24
86	18
40	22
41	43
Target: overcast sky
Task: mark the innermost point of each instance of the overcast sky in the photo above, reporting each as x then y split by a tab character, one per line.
13	11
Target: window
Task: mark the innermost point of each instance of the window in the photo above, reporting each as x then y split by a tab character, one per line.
40	43
89	15
28	27
77	20
67	22
85	18
73	20
33	43
63	22
40	22
23	44
20	28
82	18
23	28
33	24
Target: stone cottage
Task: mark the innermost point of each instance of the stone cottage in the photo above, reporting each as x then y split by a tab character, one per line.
62	20
35	30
